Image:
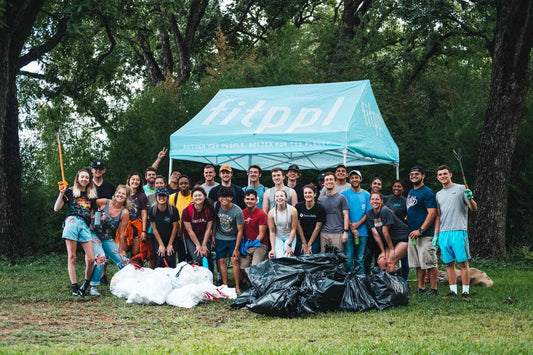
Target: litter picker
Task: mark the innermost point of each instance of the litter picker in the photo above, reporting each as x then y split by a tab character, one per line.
458	156
65	183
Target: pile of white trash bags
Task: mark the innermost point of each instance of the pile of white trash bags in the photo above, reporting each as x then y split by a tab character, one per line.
185	286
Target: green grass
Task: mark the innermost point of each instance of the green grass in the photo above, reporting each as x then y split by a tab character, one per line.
38	315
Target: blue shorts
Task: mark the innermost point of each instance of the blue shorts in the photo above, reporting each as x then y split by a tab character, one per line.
454	246
76	229
224	248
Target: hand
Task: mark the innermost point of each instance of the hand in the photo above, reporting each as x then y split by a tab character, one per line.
435	241
162	153
288	250
62	185
170	249
143	236
414	234
344	237
469	195
271	254
161	250
236	253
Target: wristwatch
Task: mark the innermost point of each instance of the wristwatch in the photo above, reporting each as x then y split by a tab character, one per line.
421	231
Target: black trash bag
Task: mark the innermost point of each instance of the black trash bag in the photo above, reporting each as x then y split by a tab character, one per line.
358	295
389	290
246	298
319	294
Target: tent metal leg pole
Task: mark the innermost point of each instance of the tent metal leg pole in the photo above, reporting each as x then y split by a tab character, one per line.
169	168
397	171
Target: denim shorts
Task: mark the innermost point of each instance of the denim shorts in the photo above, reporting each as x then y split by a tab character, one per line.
76	229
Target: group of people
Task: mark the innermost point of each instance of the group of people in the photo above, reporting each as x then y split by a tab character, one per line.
160	222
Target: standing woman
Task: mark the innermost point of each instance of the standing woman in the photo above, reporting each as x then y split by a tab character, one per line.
311	217
114	218
376	184
137	228
164	220
81	200
390	233
282	223
197	219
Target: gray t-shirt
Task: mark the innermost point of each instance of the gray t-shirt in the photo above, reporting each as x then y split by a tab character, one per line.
453	208
227	222
338	188
208	188
334	206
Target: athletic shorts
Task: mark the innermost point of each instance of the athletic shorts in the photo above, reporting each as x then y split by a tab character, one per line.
454	246
422	255
224	248
76	229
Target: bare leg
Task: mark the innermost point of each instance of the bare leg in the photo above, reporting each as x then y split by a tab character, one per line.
420	276
452	275
236	274
400	251
223	270
135	247
151	260
433	278
89	259
71	262
465	273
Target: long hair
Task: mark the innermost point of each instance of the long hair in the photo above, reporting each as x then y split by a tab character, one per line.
90	189
127	203
140	178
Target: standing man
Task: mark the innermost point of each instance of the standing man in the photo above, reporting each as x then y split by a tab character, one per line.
453	203
255	229
209	176
226	173
268	198
293	175
421	212
254	174
228	234
359	202
335	231
149	189
173	181
104	188
340	181
181	200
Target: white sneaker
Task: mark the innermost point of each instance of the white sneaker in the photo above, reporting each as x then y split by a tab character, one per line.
93	291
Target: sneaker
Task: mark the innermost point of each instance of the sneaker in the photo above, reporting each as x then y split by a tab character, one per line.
93	291
103	280
450	295
431	293
76	292
465	296
419	291
84	286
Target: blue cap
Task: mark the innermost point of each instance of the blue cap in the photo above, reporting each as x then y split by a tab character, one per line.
161	191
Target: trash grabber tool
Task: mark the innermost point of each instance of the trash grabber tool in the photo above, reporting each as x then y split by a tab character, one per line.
65	183
458	156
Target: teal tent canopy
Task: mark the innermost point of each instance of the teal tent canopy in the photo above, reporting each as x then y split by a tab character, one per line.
315	126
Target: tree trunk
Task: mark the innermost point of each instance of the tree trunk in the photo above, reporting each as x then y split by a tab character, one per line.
513	40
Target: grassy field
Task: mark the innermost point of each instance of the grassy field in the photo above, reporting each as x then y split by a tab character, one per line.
38	315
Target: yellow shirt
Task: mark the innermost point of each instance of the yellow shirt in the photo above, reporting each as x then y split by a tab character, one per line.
181	202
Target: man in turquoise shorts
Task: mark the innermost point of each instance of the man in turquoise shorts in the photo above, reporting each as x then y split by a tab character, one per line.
453	203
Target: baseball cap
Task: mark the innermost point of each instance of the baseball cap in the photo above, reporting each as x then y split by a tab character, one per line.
226	167
355	172
98	164
161	191
294	167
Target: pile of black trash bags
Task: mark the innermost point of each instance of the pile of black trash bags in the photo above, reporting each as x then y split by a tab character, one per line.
299	286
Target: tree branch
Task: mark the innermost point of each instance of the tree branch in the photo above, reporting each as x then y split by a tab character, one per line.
37	52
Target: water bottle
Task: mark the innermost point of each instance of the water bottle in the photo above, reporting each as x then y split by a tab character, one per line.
414	241
356	241
205	263
97	218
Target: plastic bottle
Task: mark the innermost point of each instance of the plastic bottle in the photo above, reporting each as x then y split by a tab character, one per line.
205	263
97	218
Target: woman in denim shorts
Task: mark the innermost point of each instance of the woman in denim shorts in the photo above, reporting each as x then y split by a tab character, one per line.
81	201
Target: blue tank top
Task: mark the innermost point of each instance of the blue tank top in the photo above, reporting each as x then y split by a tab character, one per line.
108	225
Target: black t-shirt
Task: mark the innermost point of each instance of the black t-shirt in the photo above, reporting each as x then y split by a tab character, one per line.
106	190
163	221
397	205
79	206
398	230
238	195
139	202
309	218
299	189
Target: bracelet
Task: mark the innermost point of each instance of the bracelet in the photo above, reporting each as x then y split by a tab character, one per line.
143	232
